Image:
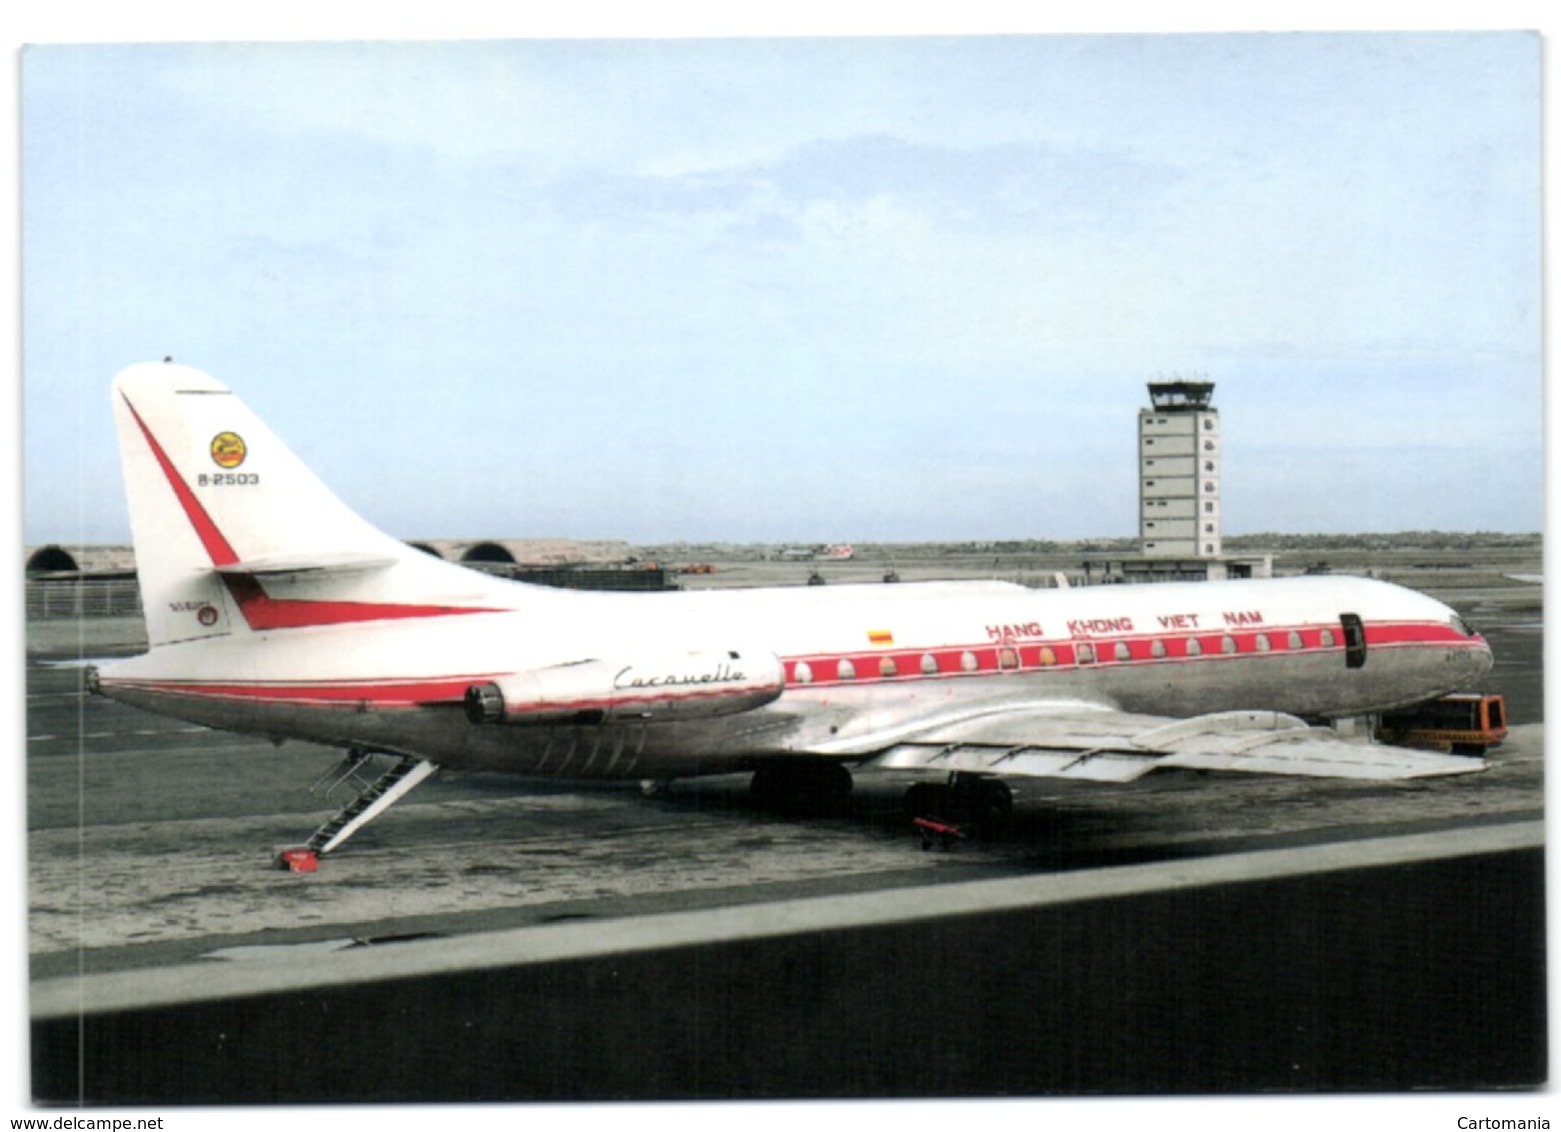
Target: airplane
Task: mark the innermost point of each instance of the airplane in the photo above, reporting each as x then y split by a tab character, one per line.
274	609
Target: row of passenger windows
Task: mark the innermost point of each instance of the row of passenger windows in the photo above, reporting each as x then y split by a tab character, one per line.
1008	659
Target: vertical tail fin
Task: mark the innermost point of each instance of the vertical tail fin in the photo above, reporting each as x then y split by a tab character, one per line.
233	533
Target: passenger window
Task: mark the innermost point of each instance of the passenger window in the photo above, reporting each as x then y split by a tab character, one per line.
1193	647
929	664
1263	644
1048	657
803	672
1294	641
1086	654
1326	639
1007	659
846	670
887	667
1122	652
968	661
1227	644
1157	649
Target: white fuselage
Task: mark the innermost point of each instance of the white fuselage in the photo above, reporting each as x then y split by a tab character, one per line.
860	664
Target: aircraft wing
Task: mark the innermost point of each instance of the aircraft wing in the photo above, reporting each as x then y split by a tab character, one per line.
1104	745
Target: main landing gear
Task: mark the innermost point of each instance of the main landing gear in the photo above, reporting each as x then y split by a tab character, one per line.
801	788
965	799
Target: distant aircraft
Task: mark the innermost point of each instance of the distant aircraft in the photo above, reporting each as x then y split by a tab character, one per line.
273	609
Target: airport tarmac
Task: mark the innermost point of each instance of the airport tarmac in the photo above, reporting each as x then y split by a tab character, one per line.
1183	933
150	841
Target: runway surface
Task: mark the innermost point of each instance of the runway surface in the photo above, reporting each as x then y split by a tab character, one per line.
150	840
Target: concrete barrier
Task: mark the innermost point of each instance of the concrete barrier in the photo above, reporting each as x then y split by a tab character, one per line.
1405	963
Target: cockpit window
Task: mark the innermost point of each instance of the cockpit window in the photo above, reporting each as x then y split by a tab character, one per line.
1463	626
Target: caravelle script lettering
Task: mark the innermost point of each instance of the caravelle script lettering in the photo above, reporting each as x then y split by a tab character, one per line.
721	674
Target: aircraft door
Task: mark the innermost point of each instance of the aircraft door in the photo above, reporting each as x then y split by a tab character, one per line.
1354	640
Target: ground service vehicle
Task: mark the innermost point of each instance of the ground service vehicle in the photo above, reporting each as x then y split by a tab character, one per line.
1465	723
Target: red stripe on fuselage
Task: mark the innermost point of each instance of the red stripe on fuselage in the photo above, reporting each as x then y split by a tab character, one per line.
259	609
381	693
411	692
950	659
415	690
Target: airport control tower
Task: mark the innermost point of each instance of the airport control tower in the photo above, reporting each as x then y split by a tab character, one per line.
1179	471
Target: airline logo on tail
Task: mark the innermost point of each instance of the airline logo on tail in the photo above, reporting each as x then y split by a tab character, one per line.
228	450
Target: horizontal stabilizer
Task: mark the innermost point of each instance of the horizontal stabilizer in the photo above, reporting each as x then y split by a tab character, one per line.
282	565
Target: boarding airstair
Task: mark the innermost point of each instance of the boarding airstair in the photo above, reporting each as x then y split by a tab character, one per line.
374	796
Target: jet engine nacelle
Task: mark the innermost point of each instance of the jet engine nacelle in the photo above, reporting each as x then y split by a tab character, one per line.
690	685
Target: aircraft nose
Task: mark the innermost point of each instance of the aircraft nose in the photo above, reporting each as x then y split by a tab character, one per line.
1472	661
1483	660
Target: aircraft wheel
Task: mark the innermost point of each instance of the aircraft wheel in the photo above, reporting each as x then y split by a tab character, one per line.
769	785
997	796
924	799
834	780
801	789
996	807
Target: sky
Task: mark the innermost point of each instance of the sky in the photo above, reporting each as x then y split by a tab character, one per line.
800	289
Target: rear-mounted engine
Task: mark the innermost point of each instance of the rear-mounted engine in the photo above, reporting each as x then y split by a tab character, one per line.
693	685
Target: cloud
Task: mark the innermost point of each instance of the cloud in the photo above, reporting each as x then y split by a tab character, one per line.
978	189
